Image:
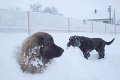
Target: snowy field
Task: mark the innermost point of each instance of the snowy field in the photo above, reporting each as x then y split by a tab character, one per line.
70	66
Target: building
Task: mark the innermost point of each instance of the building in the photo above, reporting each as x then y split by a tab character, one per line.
103	16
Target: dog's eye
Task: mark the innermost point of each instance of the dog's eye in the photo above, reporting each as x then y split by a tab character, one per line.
70	39
49	44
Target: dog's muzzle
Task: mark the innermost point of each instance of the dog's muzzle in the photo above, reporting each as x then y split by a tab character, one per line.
74	43
68	44
54	52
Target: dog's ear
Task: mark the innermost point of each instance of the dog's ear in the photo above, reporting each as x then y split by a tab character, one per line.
70	38
40	41
73	37
81	39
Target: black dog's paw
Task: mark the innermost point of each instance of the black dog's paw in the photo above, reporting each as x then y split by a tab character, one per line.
87	58
99	58
88	55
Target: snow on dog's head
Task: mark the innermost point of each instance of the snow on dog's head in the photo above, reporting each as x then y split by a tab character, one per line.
36	51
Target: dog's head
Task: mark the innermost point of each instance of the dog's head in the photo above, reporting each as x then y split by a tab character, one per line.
75	41
36	51
43	42
48	49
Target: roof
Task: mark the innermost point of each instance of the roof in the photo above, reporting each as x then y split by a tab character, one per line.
100	14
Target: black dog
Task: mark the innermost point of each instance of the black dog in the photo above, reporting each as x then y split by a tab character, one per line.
86	45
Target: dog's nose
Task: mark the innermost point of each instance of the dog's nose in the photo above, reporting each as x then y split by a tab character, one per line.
62	50
58	51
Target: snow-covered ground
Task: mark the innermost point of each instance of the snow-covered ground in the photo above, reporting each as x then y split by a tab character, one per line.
70	66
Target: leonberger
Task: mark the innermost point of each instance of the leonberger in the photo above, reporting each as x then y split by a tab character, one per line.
86	45
36	51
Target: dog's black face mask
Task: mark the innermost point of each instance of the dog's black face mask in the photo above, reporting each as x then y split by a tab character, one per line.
50	50
74	41
54	51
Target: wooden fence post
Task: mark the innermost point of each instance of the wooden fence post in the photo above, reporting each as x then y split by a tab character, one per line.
92	26
105	28
28	22
115	29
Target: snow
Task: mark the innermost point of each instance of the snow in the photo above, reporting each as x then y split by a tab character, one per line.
70	66
36	62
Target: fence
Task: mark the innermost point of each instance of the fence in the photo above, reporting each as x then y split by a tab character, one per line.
102	27
24	21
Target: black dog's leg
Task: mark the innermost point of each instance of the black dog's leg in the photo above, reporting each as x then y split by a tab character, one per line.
86	55
101	54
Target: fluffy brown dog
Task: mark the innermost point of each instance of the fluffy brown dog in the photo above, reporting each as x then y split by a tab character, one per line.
36	51
86	45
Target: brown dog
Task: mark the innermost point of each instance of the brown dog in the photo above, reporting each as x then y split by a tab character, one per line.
86	45
36	51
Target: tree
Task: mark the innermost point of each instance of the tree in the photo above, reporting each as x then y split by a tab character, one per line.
47	10
36	7
50	10
16	8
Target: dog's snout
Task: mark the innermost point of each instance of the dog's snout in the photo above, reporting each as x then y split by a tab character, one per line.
68	44
62	50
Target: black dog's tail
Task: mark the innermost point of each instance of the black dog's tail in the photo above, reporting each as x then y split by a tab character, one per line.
108	43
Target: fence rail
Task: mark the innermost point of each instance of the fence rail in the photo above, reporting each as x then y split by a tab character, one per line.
25	21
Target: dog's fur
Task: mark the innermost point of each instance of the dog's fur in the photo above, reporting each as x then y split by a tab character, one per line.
86	45
38	47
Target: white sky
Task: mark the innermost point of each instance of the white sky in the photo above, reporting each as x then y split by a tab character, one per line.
78	9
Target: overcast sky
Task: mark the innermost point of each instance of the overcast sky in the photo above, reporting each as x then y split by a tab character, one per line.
78	9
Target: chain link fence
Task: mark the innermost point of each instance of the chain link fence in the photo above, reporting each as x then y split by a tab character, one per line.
25	21
13	21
